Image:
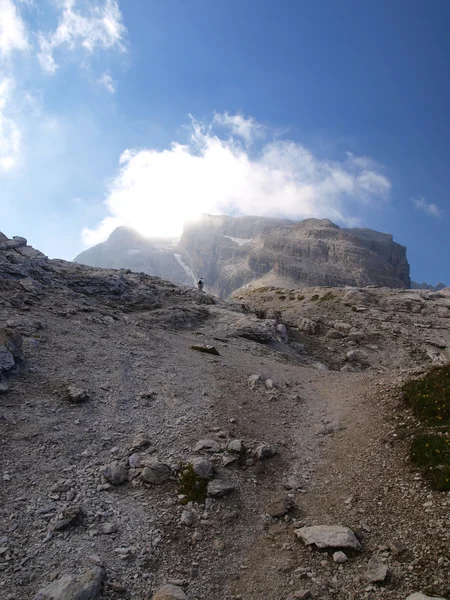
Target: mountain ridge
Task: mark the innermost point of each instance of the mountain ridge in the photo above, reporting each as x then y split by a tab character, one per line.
232	252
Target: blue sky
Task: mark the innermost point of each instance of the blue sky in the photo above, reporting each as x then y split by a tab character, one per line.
147	112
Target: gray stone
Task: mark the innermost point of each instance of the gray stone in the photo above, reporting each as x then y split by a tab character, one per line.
74	587
135	461
307	326
269	384
264	451
235	446
254	330
141	440
109	528
229	459
328	536
340	557
377	571
7	361
207	446
156	472
282	331
188	517
169	592
202	467
76	394
116	472
218	488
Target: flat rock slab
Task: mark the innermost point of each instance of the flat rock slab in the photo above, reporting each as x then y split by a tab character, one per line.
169	592
74	587
207	446
328	536
377	571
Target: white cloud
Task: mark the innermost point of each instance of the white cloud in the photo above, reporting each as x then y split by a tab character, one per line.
13	34
157	191
9	131
99	26
246	128
108	82
427	207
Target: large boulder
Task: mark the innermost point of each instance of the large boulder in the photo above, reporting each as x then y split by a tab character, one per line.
74	587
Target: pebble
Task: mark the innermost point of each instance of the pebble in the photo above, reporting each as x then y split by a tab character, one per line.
340	557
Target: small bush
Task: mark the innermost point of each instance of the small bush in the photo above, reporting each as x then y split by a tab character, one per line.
430	449
282	297
300	298
432	452
314	298
193	487
429	397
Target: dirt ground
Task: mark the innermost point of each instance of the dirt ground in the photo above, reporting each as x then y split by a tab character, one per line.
341	440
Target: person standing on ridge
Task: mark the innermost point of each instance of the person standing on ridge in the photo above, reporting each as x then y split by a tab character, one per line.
200	284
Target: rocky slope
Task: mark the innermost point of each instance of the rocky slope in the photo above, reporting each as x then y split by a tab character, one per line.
104	400
231	252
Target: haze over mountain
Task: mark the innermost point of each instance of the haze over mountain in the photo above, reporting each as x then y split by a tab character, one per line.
231	252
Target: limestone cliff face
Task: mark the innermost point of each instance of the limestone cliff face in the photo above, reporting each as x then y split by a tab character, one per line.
232	252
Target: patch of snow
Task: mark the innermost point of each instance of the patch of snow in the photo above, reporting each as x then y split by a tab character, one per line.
239	241
189	272
133	251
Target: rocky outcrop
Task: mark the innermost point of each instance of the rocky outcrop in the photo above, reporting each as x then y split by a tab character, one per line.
232	252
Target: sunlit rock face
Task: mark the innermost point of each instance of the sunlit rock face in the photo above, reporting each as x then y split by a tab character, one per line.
232	252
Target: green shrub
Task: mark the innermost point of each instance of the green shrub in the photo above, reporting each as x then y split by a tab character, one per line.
430	449
300	298
192	486
429	397
432	452
314	298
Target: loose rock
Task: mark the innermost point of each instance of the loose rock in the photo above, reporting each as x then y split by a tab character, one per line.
116	472
377	571
340	557
207	446
76	394
328	536
74	587
169	592
218	488
156	473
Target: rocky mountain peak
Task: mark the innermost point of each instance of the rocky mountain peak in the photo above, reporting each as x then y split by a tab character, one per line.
231	252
